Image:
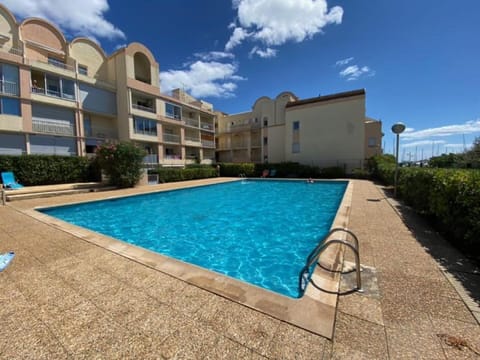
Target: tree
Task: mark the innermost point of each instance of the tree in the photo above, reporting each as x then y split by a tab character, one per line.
121	162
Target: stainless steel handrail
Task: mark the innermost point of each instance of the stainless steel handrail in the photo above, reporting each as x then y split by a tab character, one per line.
322	246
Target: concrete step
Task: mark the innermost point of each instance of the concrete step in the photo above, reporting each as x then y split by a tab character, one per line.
33	192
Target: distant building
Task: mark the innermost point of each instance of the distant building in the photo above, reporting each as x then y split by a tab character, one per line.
65	98
325	131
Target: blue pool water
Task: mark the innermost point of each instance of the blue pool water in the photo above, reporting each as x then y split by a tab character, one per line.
257	231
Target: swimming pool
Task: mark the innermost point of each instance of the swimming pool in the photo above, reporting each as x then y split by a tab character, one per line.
259	232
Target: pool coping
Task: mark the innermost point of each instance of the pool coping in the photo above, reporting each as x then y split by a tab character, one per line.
314	312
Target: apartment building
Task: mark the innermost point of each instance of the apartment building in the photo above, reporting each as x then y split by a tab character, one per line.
66	97
324	131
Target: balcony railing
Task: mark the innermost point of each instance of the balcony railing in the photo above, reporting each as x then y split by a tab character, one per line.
151	159
206	126
54	93
60	64
172	138
192	138
52	127
14	51
8	88
190	122
173	157
101	133
208	143
143	107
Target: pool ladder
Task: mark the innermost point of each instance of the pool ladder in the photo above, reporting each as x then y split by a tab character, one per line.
312	258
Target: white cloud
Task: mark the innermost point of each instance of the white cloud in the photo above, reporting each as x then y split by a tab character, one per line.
469	127
423	143
214	55
274	22
203	79
353	72
237	37
267	53
85	18
343	62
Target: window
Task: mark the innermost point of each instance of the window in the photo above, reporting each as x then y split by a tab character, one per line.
9	79
296	137
173	111
58	87
57	62
265	121
265	141
82	69
10	106
87	125
372	142
68	89
144	126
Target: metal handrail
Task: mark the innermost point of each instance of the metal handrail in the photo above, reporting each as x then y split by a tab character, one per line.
304	274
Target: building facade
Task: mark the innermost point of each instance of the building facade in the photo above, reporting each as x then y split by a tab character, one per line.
324	131
65	98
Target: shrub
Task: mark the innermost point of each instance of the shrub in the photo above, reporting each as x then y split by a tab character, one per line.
33	170
189	173
235	169
122	163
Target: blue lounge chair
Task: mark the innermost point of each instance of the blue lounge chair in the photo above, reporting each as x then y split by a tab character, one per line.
9	182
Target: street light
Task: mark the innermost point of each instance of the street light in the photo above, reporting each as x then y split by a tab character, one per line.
397	129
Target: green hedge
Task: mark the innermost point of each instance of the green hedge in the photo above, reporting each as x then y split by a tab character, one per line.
282	170
190	173
451	197
32	170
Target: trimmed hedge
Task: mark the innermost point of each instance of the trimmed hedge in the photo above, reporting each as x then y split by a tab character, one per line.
32	170
190	173
451	197
282	170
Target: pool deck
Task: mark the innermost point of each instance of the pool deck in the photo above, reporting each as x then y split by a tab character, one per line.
65	297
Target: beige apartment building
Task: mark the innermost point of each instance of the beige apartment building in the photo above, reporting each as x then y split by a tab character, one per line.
324	131
65	98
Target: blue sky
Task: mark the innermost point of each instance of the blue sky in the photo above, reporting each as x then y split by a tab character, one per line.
417	60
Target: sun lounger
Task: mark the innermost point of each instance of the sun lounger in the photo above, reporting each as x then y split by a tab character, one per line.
5	259
9	181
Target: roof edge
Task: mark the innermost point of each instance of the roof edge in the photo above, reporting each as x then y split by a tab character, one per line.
340	95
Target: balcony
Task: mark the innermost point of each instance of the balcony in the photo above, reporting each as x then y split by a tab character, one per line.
208	143
192	139
101	133
190	122
60	64
14	51
52	127
171	138
9	88
53	93
206	126
144	108
151	159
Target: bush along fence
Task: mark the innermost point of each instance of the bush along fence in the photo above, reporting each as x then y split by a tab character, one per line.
33	170
451	197
166	175
282	170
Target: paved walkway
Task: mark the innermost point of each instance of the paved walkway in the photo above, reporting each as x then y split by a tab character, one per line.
63	297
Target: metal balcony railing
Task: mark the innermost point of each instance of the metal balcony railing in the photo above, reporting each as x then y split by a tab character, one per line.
144	108
172	138
190	122
51	127
14	51
59	64
9	88
208	143
206	126
192	138
151	159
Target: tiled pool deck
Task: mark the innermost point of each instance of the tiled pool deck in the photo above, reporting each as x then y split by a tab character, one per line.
64	297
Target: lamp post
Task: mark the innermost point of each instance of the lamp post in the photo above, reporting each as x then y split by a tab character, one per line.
397	129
